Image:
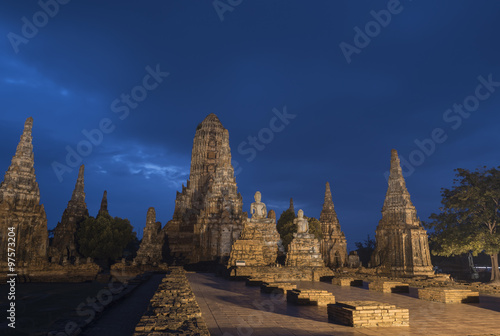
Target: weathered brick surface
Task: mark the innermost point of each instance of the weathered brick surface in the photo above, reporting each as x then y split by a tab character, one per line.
368	314
173	310
333	244
440	294
310	297
402	245
389	286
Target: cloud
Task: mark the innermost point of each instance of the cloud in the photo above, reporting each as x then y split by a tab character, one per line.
147	163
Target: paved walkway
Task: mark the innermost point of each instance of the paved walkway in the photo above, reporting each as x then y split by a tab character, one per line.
121	319
230	308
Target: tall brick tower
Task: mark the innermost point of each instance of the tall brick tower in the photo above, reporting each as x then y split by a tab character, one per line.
20	207
402	245
333	244
64	243
208	215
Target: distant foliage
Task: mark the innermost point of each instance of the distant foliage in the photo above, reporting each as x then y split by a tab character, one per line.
470	217
104	237
365	250
286	228
315	227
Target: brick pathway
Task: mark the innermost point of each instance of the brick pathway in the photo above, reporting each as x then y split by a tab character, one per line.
230	308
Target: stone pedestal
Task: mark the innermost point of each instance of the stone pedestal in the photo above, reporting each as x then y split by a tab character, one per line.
248	250
270	238
304	250
368	314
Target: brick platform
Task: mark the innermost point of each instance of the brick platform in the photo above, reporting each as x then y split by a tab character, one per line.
440	294
389	287
269	287
347	282
368	314
310	297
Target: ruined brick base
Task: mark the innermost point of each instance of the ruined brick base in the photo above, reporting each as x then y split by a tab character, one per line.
173	310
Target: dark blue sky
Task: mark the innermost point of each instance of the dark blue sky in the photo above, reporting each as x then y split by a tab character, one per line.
263	55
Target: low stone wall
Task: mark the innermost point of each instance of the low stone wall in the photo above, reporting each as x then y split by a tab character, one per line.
127	270
52	272
440	294
368	314
281	274
173	310
389	287
439	280
309	297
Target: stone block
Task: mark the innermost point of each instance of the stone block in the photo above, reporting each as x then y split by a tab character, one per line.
441	294
368	314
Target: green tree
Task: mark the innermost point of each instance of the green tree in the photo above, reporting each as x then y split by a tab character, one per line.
315	227
365	250
104	237
469	218
286	228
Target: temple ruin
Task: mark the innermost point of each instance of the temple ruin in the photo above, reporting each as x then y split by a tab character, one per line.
64	244
333	244
151	247
402	246
208	216
20	207
103	210
304	250
260	241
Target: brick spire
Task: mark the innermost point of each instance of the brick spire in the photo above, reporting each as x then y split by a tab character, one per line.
397	196
64	243
328	213
291	205
104	205
20	180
